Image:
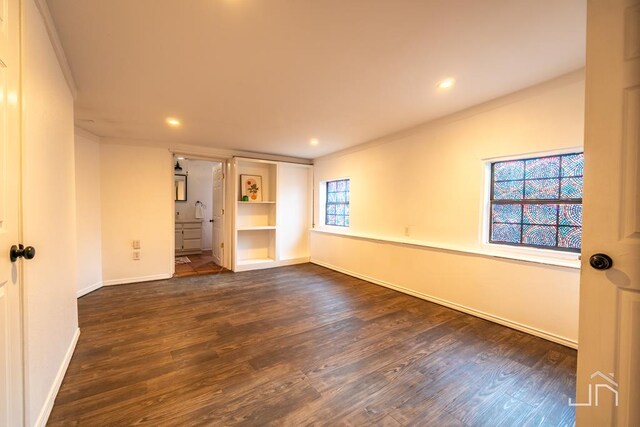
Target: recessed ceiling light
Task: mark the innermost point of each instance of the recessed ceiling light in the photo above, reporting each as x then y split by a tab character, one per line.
446	83
180	158
314	141
171	121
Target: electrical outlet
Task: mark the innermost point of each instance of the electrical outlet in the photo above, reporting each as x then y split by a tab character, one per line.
136	244
407	231
136	255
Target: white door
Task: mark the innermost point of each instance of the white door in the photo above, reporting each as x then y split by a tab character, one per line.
11	394
217	213
609	337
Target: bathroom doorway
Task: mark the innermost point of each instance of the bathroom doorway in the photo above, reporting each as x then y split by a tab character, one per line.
199	216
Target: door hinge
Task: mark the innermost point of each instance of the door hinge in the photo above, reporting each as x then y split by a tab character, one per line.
222	211
222	245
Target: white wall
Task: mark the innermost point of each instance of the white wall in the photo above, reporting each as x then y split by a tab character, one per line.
199	187
88	212
51	325
431	179
137	204
294	216
134	203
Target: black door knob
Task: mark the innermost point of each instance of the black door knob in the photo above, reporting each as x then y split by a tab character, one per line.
601	261
20	251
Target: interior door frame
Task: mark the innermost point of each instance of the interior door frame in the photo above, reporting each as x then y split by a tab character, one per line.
226	225
14	22
222	215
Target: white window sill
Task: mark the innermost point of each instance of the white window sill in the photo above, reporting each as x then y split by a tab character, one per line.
332	229
569	260
535	253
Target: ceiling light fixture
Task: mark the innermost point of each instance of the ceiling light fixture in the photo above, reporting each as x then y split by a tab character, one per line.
171	121
446	83
178	167
314	141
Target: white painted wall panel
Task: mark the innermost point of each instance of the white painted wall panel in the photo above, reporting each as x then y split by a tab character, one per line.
88	212
137	204
537	299
294	210
49	218
430	180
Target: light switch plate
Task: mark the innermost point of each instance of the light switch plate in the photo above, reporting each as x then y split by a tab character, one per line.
136	244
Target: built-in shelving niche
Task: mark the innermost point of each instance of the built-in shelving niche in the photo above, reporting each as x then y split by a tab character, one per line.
272	231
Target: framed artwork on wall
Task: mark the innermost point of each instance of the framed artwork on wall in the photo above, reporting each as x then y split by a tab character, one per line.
251	186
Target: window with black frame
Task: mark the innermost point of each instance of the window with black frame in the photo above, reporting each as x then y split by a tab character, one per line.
537	202
337	203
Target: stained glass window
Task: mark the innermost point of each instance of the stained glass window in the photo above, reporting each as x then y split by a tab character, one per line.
337	207
538	202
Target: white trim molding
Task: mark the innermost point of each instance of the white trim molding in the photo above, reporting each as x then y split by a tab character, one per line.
43	8
57	382
570	77
88	289
500	320
129	280
293	261
271	264
512	255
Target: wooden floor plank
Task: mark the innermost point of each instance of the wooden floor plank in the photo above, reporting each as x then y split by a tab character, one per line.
302	345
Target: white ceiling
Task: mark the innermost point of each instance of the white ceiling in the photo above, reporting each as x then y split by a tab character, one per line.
269	75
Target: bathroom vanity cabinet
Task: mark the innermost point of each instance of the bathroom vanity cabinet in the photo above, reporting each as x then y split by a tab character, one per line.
188	237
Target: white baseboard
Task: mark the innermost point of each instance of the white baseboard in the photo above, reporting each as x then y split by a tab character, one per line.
293	261
271	264
487	316
57	382
89	288
128	280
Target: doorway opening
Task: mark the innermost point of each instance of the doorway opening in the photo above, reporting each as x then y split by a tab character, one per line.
199	197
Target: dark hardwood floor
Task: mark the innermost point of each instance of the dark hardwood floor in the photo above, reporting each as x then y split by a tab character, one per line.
302	345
